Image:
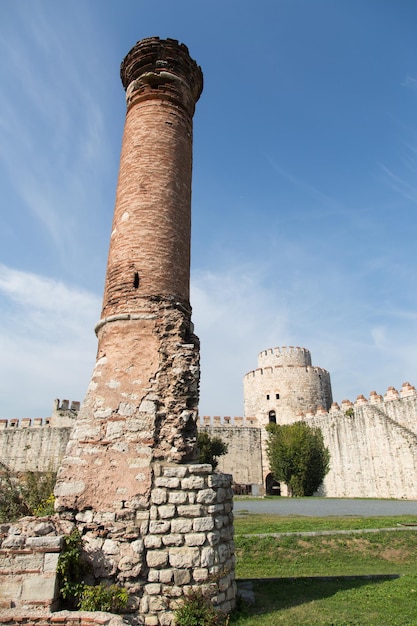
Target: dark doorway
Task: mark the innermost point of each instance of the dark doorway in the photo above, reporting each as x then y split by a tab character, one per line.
272	487
272	417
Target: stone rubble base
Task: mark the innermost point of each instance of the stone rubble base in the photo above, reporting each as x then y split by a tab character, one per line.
182	539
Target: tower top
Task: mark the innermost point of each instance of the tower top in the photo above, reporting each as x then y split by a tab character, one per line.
162	66
284	355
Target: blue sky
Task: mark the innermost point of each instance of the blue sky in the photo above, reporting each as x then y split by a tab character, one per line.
304	187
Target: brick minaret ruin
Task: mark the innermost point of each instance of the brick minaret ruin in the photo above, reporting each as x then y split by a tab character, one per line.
130	464
141	404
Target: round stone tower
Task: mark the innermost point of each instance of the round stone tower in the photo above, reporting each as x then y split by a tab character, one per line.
141	404
285	385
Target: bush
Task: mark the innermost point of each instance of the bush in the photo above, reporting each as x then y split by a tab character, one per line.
100	598
70	569
27	493
75	593
209	448
197	610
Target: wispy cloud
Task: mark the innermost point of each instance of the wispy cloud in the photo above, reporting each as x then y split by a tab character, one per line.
52	139
46	340
410	81
305	186
400	184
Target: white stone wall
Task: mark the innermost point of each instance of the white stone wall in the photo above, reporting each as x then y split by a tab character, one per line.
284	355
37	445
245	459
373	455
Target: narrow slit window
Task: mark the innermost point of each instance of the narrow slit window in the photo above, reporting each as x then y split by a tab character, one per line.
277	396
136	280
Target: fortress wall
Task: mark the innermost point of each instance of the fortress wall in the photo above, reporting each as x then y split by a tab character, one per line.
298	388
403	411
372	456
33	449
37	445
244	456
373	451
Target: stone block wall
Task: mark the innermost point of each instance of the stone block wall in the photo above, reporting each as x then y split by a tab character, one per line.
62	618
29	551
184	538
37	445
244	458
372	455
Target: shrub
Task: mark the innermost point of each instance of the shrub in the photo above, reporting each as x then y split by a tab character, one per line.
27	493
297	456
210	448
100	598
197	610
76	594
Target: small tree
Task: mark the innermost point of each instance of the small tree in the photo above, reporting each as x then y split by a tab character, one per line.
298	457
210	448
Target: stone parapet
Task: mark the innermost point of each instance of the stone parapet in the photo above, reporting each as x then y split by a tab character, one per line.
284	355
227	421
389	402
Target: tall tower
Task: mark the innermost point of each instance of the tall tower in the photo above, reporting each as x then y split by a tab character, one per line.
285	385
152	519
141	404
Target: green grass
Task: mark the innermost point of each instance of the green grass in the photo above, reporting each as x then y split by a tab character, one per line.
254	524
333	603
334	555
336	602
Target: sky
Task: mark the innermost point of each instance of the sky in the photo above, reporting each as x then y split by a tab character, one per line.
304	190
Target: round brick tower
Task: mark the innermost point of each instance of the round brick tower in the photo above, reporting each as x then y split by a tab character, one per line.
285	385
141	404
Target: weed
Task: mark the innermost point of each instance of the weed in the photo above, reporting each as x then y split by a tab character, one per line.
197	610
100	598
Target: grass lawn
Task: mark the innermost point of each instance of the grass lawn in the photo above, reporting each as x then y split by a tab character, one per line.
252	523
333	603
340	601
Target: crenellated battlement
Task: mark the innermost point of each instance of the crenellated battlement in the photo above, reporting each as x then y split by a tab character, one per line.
269	370
227	421
284	355
24	422
63	415
391	396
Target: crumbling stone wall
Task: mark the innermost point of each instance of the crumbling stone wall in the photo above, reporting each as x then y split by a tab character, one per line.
29	552
182	539
67	618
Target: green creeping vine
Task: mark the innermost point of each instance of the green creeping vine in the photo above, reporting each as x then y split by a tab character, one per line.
75	593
